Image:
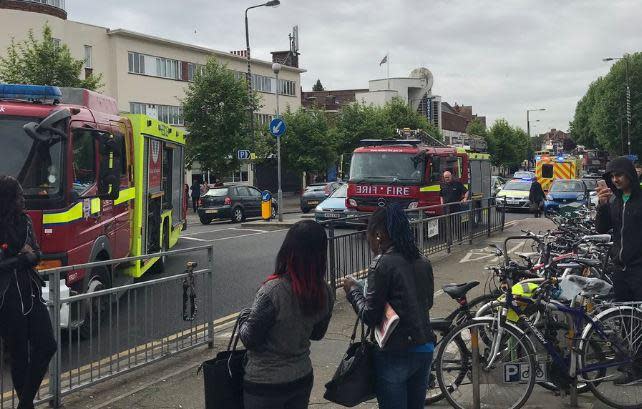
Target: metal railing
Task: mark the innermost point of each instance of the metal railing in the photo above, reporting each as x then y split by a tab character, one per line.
456	223
113	331
117	330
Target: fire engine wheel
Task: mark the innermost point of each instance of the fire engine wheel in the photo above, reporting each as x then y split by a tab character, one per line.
95	308
237	215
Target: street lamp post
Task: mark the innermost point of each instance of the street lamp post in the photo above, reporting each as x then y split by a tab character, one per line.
276	68
528	119
250	108
628	96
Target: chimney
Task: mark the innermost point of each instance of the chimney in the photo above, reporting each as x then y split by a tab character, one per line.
286	58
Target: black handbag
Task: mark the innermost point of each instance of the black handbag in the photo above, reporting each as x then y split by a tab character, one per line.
223	376
354	380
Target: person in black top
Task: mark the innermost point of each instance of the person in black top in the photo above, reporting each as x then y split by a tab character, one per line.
452	191
24	321
401	277
619	211
536	197
196	194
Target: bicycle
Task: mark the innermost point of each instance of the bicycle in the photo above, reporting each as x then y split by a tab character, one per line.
508	365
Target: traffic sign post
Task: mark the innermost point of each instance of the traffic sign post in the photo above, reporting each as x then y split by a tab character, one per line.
277	128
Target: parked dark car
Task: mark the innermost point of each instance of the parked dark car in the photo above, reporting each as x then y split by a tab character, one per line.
317	193
231	202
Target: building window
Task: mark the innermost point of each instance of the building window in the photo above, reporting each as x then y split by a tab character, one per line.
167	68
262	119
136	63
171	115
287	87
261	83
193	69
88	55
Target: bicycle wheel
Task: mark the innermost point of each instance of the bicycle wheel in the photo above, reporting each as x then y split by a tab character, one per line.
507	383
454	356
622	327
556	333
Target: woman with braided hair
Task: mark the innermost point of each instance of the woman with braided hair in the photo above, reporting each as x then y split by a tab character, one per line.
24	320
401	277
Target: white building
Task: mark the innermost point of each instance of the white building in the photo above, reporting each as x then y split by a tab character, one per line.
416	90
145	74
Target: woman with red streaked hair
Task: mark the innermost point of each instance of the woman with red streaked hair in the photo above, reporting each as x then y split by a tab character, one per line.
292	307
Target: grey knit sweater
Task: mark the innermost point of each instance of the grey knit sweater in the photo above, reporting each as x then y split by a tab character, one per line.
277	334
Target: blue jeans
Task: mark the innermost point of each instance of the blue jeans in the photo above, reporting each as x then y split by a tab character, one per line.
402	379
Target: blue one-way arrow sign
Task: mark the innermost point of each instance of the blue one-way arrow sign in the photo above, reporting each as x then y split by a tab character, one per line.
277	127
243	154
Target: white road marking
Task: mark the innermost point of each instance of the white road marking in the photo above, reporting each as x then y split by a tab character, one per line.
235	237
193	238
484	253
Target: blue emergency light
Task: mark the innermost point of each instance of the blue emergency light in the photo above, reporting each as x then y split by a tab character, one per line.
538	157
34	93
560	158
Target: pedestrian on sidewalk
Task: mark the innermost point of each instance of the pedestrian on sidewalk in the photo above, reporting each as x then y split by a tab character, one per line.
24	320
400	276
196	194
619	211
536	196
293	306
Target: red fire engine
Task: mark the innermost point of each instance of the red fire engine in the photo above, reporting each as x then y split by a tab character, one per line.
409	172
97	185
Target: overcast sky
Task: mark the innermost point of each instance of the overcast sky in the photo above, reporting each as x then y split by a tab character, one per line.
500	56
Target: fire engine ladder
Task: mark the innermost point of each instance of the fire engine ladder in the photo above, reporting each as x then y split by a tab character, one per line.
423	136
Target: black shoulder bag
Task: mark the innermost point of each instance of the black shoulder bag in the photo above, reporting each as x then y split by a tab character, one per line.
354	381
223	376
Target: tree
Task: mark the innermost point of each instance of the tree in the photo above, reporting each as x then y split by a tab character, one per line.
359	121
400	115
318	86
42	62
600	115
508	146
476	127
216	117
307	145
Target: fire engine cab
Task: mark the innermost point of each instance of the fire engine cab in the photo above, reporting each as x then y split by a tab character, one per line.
409	172
97	185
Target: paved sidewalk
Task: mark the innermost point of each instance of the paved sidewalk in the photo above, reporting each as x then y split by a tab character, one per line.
174	383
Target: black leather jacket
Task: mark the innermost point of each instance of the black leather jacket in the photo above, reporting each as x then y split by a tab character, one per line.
408	287
17	268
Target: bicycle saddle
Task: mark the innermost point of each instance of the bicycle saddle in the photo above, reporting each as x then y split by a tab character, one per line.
590	286
457	291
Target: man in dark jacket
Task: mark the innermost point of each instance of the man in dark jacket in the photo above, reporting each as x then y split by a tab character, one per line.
620	211
196	194
536	197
